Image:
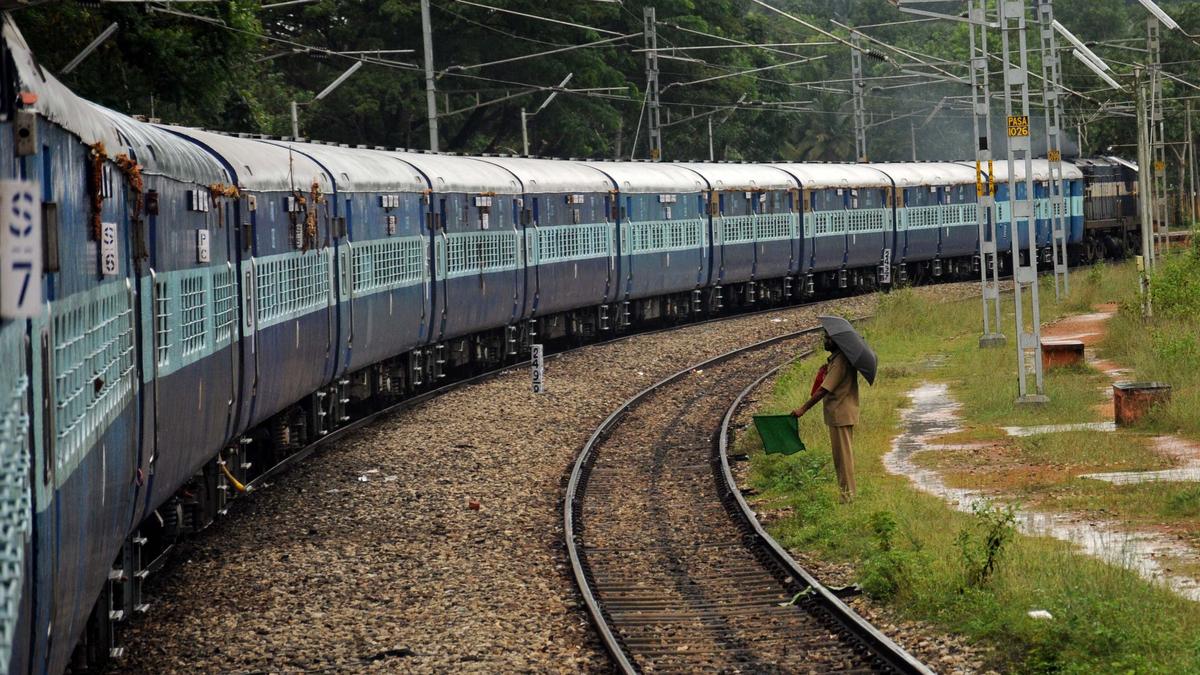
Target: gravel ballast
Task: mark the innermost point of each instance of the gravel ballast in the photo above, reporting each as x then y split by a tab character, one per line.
431	540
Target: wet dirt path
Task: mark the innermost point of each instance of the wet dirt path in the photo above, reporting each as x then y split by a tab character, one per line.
933	413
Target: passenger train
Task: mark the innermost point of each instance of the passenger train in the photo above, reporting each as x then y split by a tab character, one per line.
203	305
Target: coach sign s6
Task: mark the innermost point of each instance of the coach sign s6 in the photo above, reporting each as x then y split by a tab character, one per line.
20	249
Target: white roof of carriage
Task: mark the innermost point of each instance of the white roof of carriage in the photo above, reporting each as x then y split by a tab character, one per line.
650	177
1041	170
158	151
741	177
362	169
261	165
817	176
927	173
554	176
453	173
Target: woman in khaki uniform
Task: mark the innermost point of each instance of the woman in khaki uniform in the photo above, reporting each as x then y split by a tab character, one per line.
837	385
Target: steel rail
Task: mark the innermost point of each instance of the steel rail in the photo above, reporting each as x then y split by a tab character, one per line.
423	397
888	651
883	646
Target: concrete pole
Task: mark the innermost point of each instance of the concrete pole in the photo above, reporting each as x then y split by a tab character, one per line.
1144	181
654	116
295	121
430	81
1191	162
857	88
711	154
912	132
524	133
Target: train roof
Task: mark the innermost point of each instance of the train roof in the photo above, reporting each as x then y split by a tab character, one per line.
1041	170
260	165
553	176
360	169
451	173
650	177
927	173
158	151
815	176
741	177
1123	162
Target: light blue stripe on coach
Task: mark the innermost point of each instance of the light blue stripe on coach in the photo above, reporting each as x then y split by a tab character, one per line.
380	265
290	285
663	236
462	254
14	479
567	243
195	315
846	221
755	228
92	367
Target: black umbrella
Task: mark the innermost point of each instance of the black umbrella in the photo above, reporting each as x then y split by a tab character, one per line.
852	345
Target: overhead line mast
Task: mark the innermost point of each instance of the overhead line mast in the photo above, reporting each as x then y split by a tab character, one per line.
985	188
1051	100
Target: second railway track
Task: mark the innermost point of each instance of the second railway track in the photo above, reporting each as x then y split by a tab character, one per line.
674	570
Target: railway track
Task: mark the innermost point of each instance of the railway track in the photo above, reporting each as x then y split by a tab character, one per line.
676	572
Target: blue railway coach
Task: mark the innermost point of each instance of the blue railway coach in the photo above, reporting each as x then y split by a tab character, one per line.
209	305
847	223
937	227
755	224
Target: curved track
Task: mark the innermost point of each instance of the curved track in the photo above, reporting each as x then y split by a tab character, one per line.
675	571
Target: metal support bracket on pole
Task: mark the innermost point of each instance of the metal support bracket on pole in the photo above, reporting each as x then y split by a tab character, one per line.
985	182
1060	216
1016	79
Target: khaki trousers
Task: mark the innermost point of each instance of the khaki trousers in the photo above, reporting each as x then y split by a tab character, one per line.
841	439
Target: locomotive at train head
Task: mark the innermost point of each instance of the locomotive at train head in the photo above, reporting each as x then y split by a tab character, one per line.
201	306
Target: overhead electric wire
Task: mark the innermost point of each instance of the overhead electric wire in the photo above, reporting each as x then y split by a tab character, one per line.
540	54
494	29
536	17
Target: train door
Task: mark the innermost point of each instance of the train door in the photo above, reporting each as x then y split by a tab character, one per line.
343	234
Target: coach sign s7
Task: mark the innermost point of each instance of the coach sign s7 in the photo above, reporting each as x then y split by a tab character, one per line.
20	249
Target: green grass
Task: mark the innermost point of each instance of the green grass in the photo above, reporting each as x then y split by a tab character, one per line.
1167	347
929	561
1149	504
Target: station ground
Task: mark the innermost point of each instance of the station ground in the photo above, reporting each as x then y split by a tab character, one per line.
1046	537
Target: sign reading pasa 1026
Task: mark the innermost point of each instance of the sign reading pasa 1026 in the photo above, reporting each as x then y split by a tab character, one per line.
1018	126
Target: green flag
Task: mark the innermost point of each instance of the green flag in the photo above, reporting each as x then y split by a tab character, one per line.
780	433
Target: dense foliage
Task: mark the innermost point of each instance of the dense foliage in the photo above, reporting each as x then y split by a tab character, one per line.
237	65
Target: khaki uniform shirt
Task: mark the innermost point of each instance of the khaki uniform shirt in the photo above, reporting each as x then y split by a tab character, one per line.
841	403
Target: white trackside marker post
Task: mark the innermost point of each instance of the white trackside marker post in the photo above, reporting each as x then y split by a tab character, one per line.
537	369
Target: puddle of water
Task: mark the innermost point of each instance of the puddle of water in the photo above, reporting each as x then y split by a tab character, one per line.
1172	446
1058	428
934	413
1188	474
